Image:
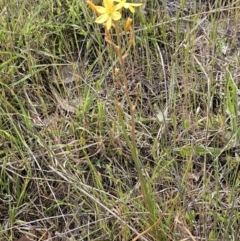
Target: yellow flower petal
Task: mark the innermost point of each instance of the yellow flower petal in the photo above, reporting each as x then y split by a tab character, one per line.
129	6
108	3
135	4
119	6
102	18
109	23
116	16
100	10
131	9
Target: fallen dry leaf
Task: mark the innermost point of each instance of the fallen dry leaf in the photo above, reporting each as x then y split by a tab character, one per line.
24	238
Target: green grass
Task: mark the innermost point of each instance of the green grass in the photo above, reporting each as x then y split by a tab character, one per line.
67	171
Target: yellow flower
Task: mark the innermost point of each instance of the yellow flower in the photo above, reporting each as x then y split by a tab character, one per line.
129	6
108	13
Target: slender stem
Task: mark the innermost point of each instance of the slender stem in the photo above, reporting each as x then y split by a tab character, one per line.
125	88
138	164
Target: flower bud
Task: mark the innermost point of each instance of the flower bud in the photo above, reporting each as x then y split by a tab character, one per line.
92	6
128	25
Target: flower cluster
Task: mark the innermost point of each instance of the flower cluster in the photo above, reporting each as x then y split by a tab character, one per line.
111	11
